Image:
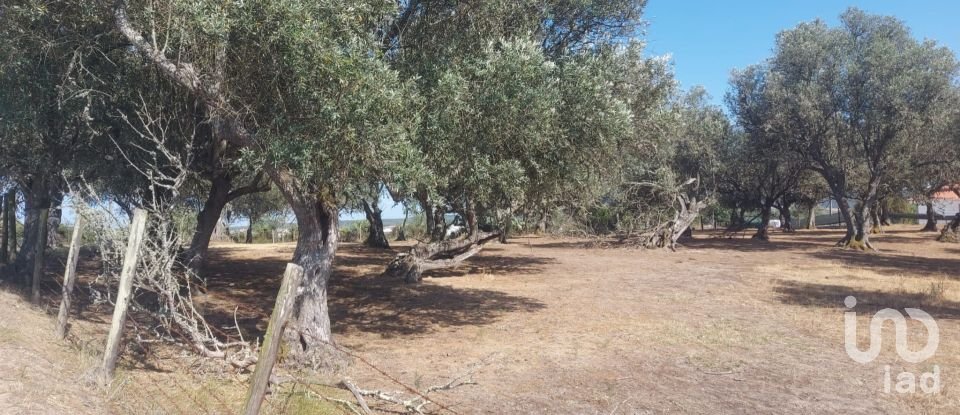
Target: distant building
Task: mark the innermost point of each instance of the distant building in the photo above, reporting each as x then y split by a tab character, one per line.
945	203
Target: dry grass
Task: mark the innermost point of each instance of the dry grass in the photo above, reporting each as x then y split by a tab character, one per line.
721	326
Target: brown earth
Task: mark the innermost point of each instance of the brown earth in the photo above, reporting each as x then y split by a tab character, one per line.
723	326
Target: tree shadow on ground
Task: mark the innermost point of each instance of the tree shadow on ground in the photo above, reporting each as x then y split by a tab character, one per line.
392	308
885	262
868	301
750	245
362	300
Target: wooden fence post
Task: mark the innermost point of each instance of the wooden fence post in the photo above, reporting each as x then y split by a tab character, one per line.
39	248
12	218
5	236
69	277
271	341
112	350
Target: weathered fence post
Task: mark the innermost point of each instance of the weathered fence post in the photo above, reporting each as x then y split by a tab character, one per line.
39	247
271	341
5	235
112	351
12	221
69	277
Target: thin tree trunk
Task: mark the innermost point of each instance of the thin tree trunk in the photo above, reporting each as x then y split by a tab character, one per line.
53	221
507	226
473	225
786	218
931	225
402	230
812	216
875	226
375	236
252	220
208	219
439	224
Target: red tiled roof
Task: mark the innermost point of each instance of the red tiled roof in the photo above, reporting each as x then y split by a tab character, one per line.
946	193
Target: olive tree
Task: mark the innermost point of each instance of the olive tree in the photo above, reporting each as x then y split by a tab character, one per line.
759	167
298	87
853	99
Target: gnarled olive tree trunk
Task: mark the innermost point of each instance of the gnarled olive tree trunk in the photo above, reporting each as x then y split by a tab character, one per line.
951	232
309	331
411	265
763	229
375	236
666	234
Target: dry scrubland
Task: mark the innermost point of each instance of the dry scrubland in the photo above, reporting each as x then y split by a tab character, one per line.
558	326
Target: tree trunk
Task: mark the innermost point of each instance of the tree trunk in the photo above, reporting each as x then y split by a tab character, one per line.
885	213
375	236
439	224
54	238
506	227
433	216
850	239
410	266
858	233
876	227
309	340
36	199
786	219
208	219
951	232
252	220
666	235
473	225
762	229
812	216
931	225
402	229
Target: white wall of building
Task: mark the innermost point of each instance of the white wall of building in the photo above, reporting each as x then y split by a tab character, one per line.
947	208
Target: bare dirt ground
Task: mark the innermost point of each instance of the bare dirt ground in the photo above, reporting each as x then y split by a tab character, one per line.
723	326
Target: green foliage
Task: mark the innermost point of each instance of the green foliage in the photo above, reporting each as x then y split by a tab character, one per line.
856	99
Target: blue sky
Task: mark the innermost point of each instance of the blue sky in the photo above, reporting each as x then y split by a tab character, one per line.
707	39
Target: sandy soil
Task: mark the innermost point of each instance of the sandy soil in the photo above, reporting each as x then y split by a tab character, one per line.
723	326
